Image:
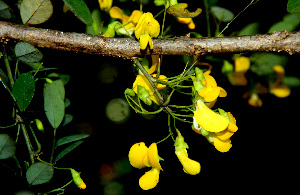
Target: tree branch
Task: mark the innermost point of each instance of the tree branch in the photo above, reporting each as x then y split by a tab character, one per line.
129	47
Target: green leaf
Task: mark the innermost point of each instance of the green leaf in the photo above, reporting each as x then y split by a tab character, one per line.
179	10
71	138
39	173
35	11
67	150
249	29
23	90
293	6
4	10
289	23
263	63
27	53
222	14
54	102
80	9
7	146
291	81
95	28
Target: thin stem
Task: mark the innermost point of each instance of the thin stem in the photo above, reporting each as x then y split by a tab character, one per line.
163	24
9	74
150	79
207	18
53	145
38	150
27	139
169	124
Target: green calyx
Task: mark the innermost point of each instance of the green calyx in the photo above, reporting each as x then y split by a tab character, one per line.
179	142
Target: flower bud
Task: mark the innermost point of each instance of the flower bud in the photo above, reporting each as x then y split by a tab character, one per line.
197	84
199	74
144	95
129	92
77	179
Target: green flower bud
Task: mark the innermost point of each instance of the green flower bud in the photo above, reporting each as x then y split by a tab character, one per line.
144	95
204	132
179	142
199	74
77	179
197	84
129	92
39	125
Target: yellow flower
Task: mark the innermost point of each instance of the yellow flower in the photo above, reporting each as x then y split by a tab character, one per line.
141	156
143	81
276	88
150	179
254	99
128	21
242	65
188	21
105	4
211	91
146	27
208	119
189	166
221	140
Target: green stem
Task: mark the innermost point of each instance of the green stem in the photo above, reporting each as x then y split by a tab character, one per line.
27	139
207	18
150	79
9	74
53	146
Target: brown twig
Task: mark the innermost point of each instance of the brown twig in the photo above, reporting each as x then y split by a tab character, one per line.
129	47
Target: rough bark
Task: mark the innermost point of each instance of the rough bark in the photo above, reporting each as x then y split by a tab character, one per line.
129	47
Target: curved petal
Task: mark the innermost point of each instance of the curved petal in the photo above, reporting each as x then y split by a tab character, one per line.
150	179
208	119
242	64
153	156
190	166
212	95
144	40
136	155
116	12
232	125
222	145
224	135
281	91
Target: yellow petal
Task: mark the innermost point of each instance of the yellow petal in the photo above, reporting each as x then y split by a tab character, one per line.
140	27
153	156
232	125
144	40
189	166
160	86
150	179
184	20
105	4
242	64
133	19
137	154
208	119
224	135
223	93
154	28
222	145
82	185
281	91
212	94
191	25
254	100
116	12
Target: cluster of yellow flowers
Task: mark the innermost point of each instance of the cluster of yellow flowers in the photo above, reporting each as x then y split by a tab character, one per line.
218	126
140	156
237	77
144	25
